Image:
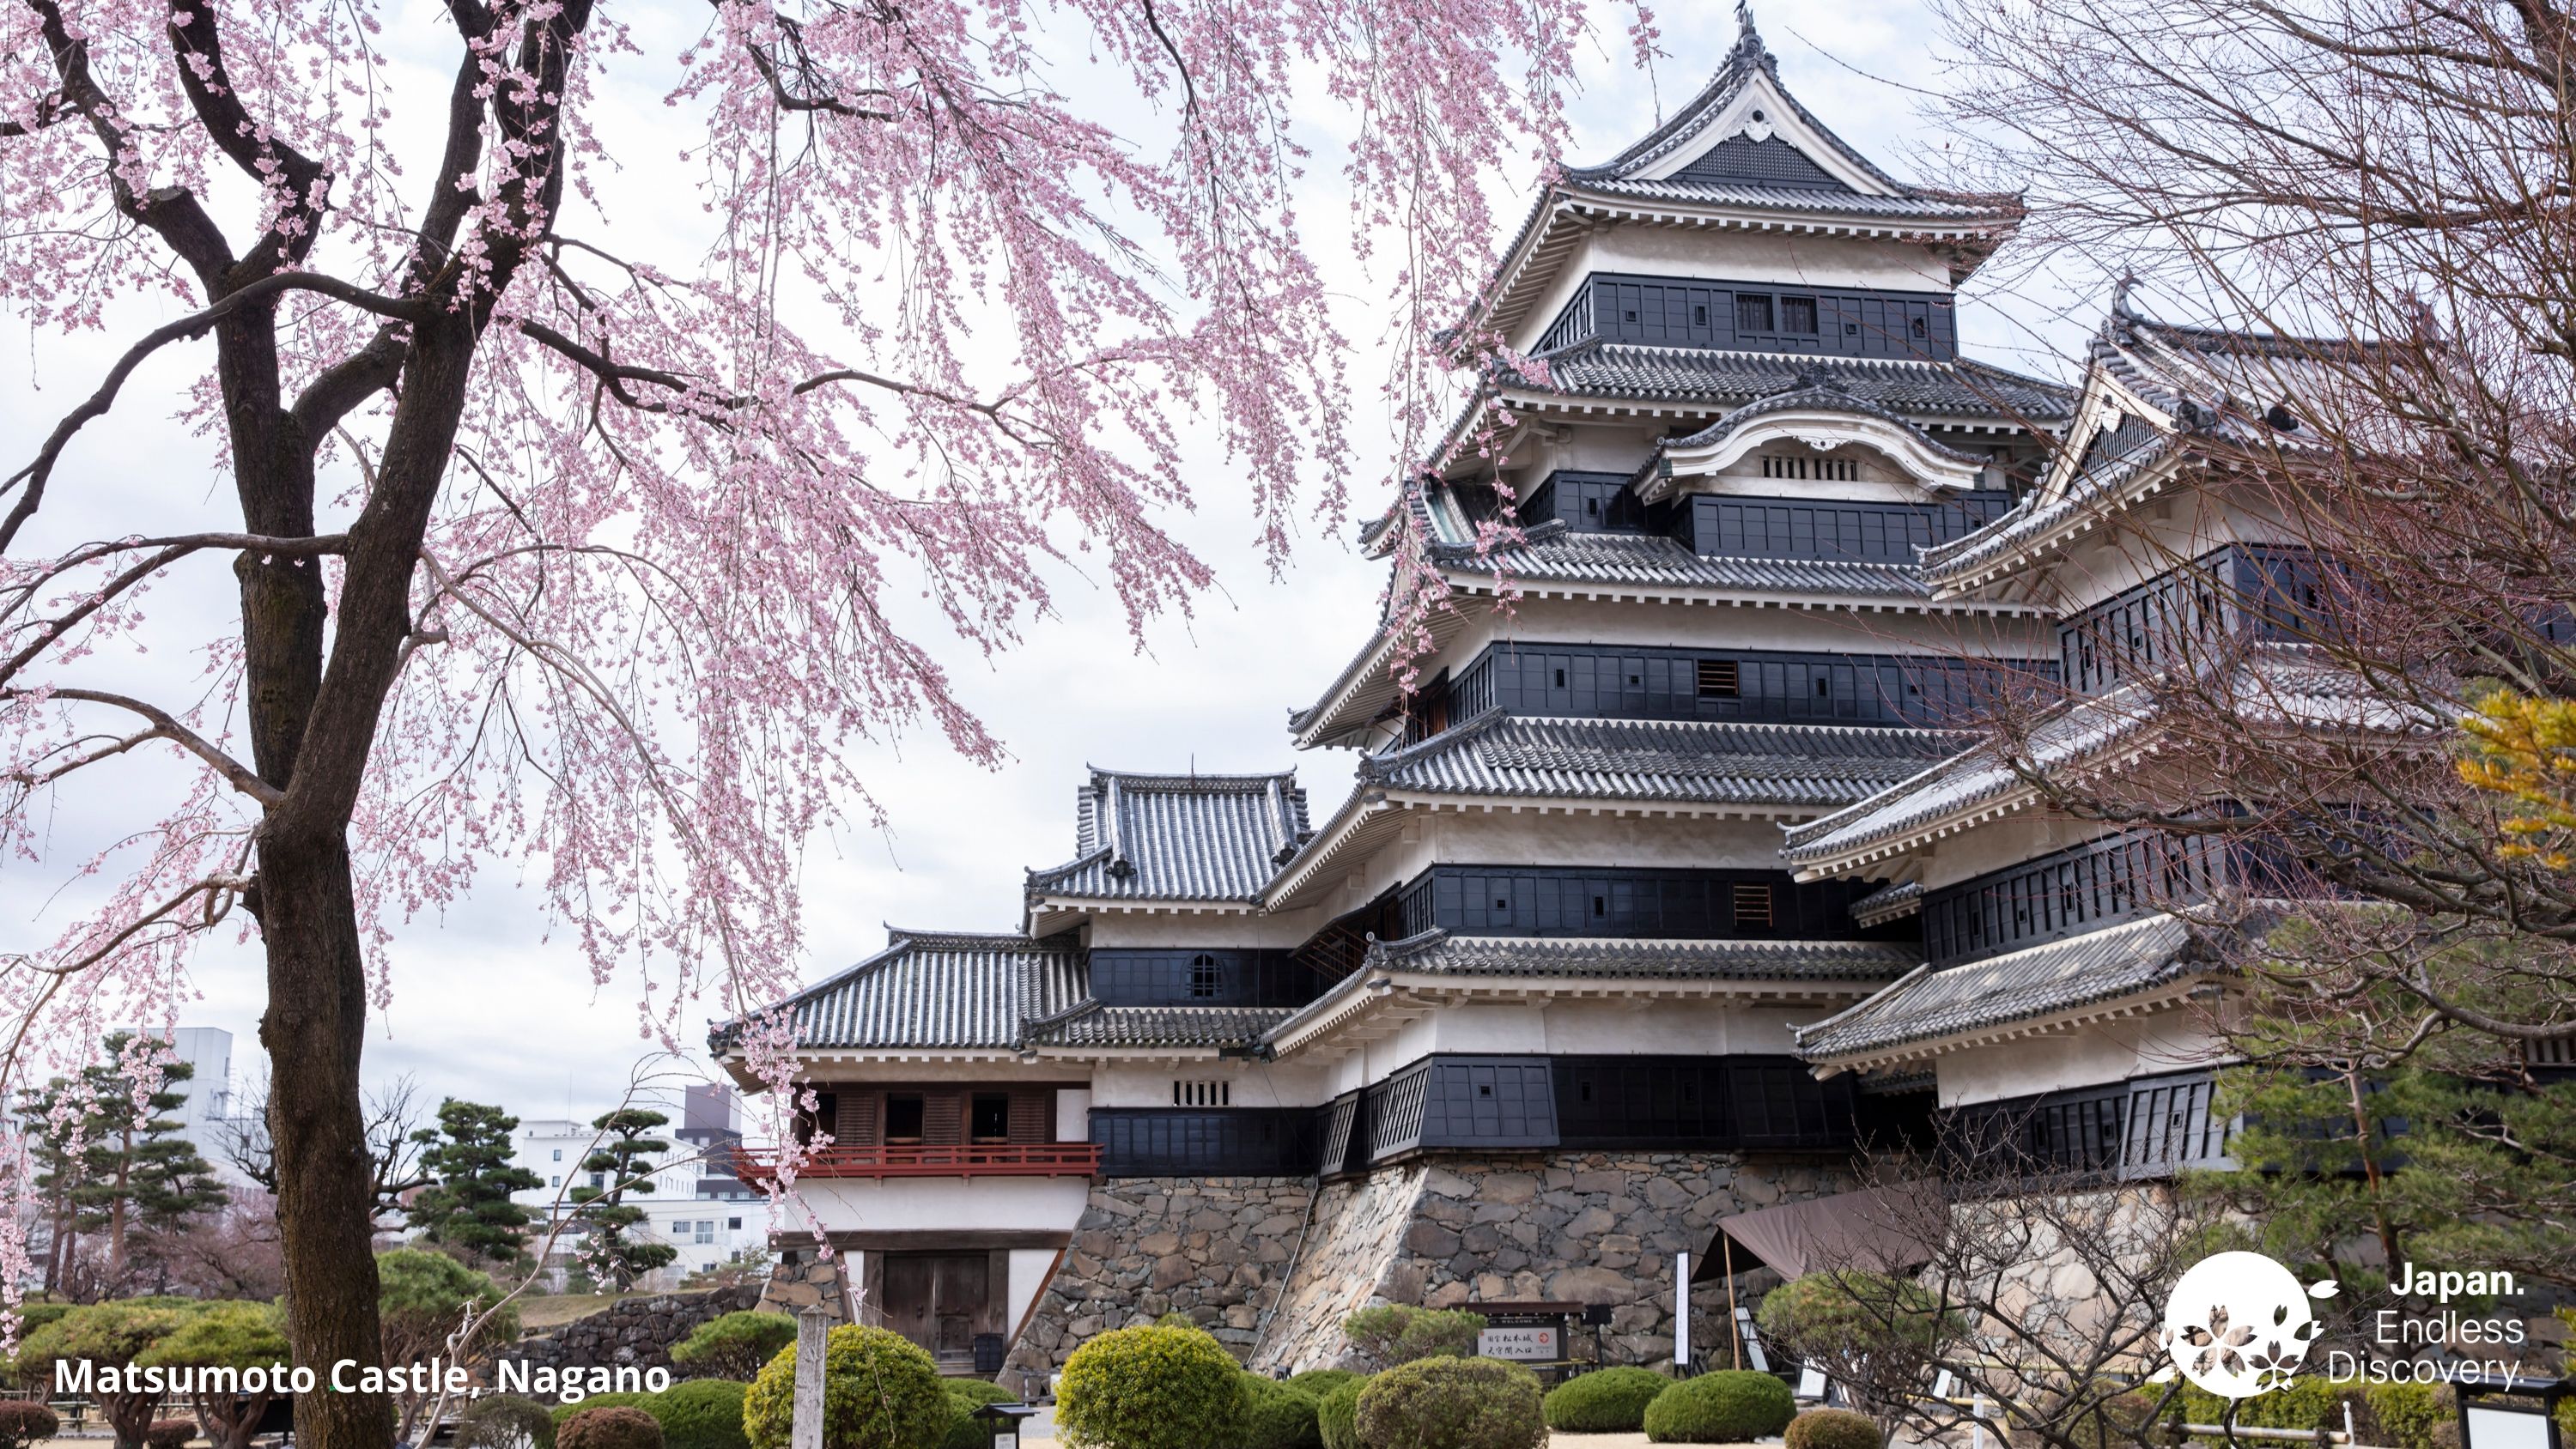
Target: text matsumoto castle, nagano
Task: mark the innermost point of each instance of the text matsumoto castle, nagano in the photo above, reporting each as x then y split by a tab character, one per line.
1669	889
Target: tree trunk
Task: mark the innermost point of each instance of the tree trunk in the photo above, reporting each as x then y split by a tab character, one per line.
314	1029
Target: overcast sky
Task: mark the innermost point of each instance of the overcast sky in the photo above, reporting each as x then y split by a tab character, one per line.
486	1007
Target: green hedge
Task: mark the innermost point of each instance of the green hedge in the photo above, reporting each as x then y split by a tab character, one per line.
1320	1382
1337	1414
1151	1387
1452	1403
1604	1401
1834	1429
505	1421
880	1391
1731	1406
701	1414
609	1426
1278	1416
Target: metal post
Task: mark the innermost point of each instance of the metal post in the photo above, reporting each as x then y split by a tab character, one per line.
805	1426
1681	1314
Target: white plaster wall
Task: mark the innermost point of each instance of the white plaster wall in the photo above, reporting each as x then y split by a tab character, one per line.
1239	929
1999	843
1072	1115
1574	1028
945	1204
1252	1084
1729	255
1587	447
1504	838
1742	626
1030	1268
2173	529
2172	1040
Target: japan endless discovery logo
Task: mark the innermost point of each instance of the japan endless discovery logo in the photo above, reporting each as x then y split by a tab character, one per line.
2238	1325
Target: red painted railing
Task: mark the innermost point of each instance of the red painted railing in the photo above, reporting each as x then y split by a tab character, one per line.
995	1159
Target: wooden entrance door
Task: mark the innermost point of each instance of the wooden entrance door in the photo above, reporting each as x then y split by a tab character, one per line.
939	1300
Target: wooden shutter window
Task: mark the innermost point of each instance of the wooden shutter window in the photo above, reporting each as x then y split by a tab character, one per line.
1752	907
1718	679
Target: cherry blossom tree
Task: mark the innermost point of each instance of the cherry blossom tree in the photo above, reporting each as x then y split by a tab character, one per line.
556	551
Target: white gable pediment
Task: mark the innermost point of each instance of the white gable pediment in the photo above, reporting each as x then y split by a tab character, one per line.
1760	111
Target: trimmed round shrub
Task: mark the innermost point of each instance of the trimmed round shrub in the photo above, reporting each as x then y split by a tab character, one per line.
1151	1387
1730	1406
1337	1413
965	1396
169	1434
615	1426
733	1345
880	1391
1834	1429
701	1414
23	1422
1316	1383
1278	1415
561	1412
1394	1333
505	1421
1604	1401
1452	1403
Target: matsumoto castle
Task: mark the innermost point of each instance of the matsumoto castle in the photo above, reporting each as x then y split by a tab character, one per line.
1664	895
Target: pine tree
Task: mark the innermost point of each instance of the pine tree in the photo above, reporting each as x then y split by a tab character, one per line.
623	1161
120	1169
467	1203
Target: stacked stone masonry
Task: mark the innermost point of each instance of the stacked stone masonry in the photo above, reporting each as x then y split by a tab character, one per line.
1271	1266
636	1331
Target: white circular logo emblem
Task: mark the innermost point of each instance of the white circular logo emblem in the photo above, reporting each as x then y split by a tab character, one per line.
2238	1324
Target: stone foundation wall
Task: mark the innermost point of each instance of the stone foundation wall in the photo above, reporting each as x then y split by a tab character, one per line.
637	1331
1271	1266
1209	1247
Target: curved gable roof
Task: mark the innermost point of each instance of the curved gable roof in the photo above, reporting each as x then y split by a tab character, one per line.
1177	837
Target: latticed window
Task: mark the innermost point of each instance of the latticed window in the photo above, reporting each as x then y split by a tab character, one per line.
1798	314
1206	978
1719	679
1752	906
1202	1094
1752	313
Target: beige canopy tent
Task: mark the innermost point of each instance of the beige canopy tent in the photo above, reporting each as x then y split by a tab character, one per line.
1881	1229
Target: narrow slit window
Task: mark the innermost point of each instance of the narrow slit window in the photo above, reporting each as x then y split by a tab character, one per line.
1718	679
1752	906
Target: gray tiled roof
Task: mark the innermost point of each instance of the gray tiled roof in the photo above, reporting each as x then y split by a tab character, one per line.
1439	952
1747	59
1795	198
1178	837
1095	1025
1697	762
2081	971
1914	389
2286	684
935	990
1551	552
1888	903
2219	384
